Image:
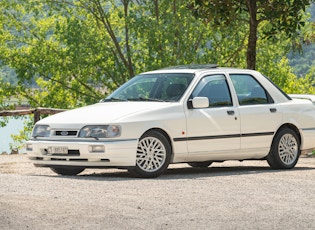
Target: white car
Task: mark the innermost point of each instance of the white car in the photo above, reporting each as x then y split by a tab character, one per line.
196	114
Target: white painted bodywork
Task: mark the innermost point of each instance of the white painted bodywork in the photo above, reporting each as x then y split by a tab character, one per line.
229	137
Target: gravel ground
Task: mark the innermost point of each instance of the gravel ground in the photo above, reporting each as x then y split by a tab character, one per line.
229	195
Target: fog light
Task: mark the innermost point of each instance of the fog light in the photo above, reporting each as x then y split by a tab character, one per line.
29	147
97	148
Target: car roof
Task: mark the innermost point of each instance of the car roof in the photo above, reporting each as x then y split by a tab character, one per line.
194	68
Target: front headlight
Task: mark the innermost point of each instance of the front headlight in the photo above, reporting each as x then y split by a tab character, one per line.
41	131
100	131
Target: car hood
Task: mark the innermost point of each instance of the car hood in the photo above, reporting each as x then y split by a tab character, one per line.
103	113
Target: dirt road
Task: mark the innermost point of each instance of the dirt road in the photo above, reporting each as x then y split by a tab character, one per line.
230	195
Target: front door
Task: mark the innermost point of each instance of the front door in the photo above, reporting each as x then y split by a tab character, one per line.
214	130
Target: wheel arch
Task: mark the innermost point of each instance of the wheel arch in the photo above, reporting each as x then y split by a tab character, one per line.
292	127
282	154
165	134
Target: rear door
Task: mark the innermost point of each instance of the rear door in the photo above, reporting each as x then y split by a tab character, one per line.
259	115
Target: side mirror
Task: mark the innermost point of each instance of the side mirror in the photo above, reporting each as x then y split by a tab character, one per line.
200	102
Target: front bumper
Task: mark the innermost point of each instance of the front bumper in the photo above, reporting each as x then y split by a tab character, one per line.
120	153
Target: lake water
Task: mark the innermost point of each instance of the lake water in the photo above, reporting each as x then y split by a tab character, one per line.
12	127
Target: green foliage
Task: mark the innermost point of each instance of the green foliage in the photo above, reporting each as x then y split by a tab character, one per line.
77	51
265	19
72	53
282	74
302	55
8	75
7	93
24	134
281	16
303	61
311	10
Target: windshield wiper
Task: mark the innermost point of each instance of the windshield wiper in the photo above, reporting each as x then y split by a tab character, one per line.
114	99
132	99
149	99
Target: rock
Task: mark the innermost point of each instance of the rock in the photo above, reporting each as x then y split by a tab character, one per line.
14	151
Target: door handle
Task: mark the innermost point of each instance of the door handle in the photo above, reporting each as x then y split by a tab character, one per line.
273	110
230	112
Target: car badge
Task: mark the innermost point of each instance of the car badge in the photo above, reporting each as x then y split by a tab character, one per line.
64	133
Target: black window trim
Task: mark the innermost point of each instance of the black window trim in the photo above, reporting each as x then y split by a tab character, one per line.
189	101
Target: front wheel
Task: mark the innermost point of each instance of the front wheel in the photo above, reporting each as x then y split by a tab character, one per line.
285	150
153	155
67	171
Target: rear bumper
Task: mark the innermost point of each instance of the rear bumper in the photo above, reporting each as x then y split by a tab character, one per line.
116	153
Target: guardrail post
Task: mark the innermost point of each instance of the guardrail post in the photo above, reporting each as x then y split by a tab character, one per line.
36	115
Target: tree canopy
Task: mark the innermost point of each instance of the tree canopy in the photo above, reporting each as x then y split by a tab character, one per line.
264	19
69	53
77	51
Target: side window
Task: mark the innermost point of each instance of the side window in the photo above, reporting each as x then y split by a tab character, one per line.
216	89
248	90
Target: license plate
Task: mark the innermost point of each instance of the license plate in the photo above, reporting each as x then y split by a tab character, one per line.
57	150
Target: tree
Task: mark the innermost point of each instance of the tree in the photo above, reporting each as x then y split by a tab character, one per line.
263	18
76	51
69	53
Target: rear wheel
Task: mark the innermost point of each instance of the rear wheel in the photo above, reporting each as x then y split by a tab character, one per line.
203	164
285	150
153	155
67	171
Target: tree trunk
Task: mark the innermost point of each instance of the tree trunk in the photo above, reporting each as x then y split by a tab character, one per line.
252	38
130	65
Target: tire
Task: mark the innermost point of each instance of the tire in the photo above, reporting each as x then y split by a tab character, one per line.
203	164
153	155
67	171
285	150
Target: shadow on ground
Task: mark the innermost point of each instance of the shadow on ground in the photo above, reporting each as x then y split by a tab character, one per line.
181	173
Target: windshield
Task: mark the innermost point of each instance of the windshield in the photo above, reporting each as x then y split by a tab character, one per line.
153	87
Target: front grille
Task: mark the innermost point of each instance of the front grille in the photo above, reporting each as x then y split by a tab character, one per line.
66	133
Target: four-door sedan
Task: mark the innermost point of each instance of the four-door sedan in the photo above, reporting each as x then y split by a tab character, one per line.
196	114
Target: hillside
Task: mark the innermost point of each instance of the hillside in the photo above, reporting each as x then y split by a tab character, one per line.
303	61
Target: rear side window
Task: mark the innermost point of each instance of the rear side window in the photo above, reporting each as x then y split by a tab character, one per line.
249	91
